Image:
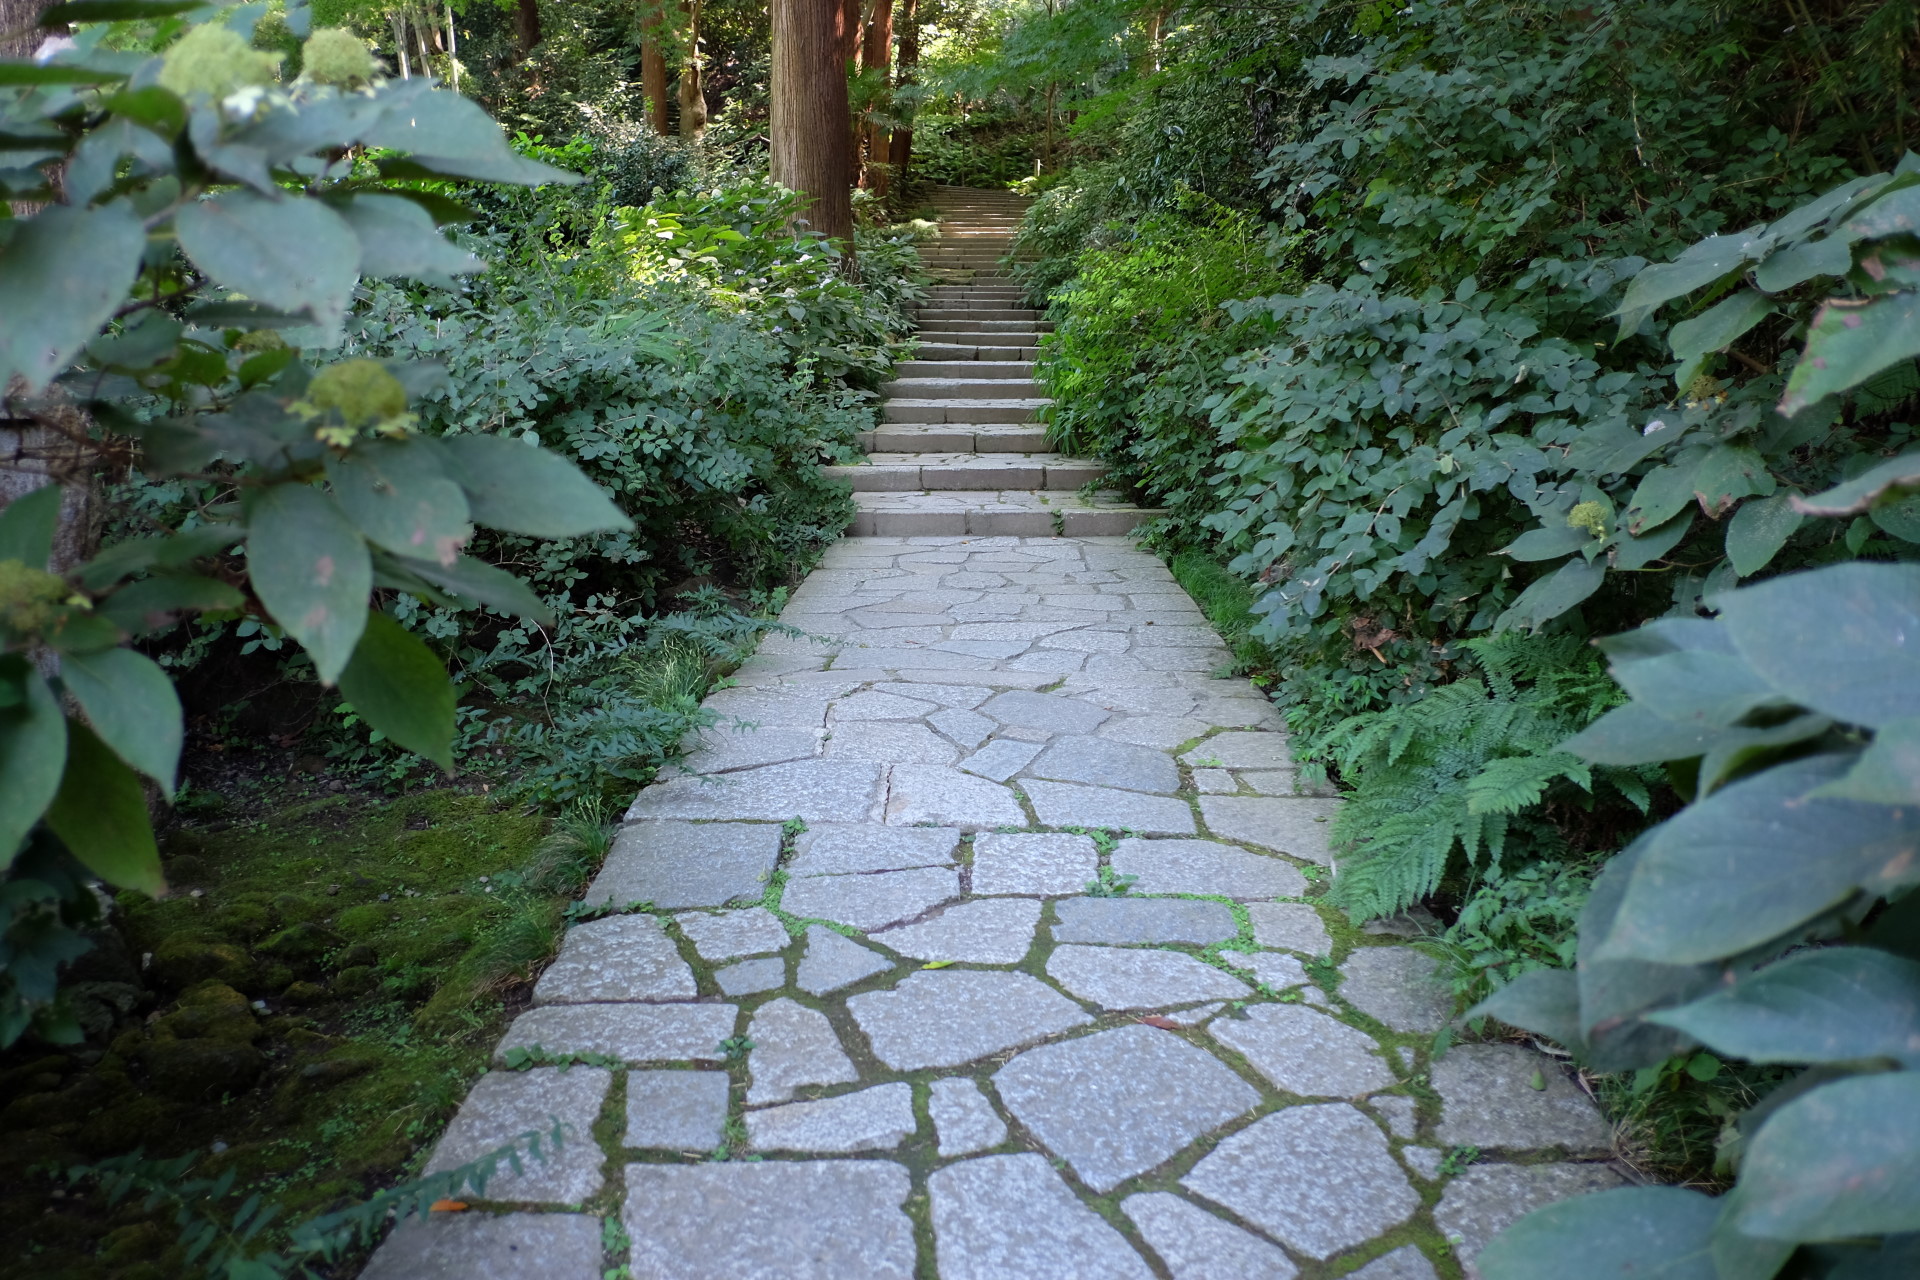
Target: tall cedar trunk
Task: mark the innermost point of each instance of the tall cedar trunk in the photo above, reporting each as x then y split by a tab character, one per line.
810	128
526	26
849	32
453	49
693	88
900	146
877	54
398	22
653	63
19	36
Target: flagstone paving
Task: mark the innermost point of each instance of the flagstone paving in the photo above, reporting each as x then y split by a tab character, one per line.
876	996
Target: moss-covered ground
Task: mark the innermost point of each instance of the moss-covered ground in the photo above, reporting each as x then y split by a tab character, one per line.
306	1007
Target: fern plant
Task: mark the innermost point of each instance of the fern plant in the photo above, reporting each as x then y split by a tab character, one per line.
1468	768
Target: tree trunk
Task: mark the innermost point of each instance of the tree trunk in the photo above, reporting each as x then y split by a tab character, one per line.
876	56
810	127
693	89
399	24
653	63
900	146
526	26
453	49
20	33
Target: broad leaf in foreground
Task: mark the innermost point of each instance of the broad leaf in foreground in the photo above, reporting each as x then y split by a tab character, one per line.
1840	1161
311	570
400	687
1633	1233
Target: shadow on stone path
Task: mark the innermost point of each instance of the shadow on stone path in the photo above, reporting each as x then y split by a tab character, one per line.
963	1063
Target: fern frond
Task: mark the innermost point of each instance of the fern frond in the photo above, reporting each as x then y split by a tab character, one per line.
1510	785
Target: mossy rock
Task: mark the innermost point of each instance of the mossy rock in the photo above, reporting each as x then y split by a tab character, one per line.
138	1242
28	1111
40	1074
302	946
355	956
295	908
364	920
303	994
242	921
136	1120
196	1070
183	960
212	994
185	869
356	981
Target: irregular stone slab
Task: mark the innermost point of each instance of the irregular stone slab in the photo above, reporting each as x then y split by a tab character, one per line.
1215	782
1124	920
681	864
1269	968
1162	733
963	1120
875	1119
836	849
1003	1216
890	743
1041	865
630	1032
793	1046
1068	804
749	976
776	706
993	932
1425	1161
503	1105
868	902
1242	750
1050	712
1398	987
870	705
1279	782
1486	1199
1001	758
1488	1100
1404	1263
618	958
833	962
1106	763
722	748
729	934
1305	1052
676	1110
1205	866
479	1246
1284	824
1195	1245
961	696
1318	1178
944	1017
1120	1102
1293	925
794	1219
967	728
947	797
1193	1017
1400	1112
1134	978
816	790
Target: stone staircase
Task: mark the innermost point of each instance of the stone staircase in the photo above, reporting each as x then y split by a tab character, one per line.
960	448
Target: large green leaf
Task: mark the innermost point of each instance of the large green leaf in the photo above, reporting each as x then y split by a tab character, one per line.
1892	478
401	499
1709	690
398	238
1631	1233
1756	859
1636	734
132	705
33	749
1844	640
153	603
310	568
27	526
1849	341
449	134
1888	772
100	814
171	552
1758	530
293	254
1715	329
1838	1162
1843	1004
1615	993
63	274
1545	1001
1728	473
1699	266
1637	551
1662	493
517	487
1549	543
400	687
1553	595
1795	265
481	583
1738	750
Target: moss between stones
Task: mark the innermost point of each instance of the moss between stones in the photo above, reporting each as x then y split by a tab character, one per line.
319	1010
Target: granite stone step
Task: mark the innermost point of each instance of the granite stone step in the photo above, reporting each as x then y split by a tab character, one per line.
995	369
961	388
938	437
910	471
1017	513
962	410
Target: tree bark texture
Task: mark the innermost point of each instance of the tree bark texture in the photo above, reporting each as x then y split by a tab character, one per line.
526	25
810	128
653	63
900	146
877	55
19	31
693	88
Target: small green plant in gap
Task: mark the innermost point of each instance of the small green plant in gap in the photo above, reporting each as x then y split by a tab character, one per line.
189	179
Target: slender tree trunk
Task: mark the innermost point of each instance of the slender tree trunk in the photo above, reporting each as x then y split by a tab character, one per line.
399	24
653	63
453	49
877	54
900	146
810	126
526	26
693	88
20	33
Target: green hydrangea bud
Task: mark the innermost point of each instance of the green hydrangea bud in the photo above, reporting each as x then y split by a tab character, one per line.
336	56
1591	516
29	598
213	61
260	340
362	390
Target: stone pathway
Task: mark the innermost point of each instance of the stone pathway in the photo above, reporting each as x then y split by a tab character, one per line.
978	941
